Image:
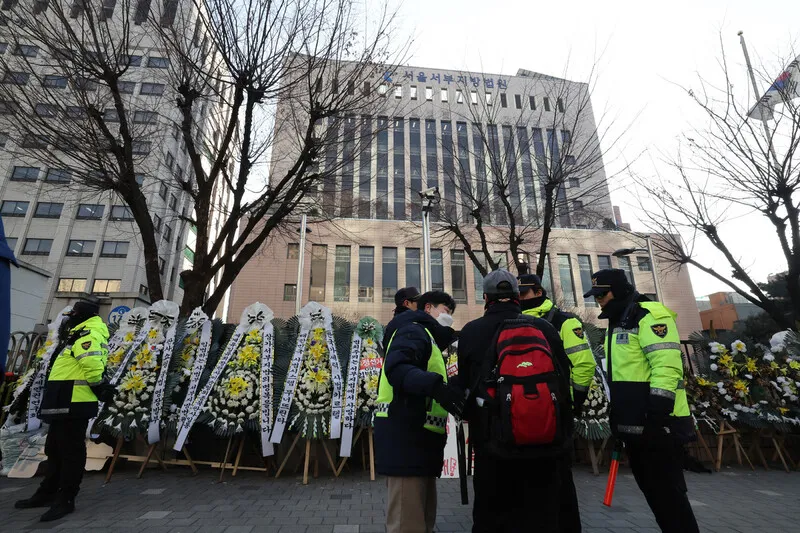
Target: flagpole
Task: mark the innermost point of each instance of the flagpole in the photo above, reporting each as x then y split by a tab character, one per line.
756	92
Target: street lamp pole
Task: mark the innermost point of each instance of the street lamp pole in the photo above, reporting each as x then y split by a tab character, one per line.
299	292
430	197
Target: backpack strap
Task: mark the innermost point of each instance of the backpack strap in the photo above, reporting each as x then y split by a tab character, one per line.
551	314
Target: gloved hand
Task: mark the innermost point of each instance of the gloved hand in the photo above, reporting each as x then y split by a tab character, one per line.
450	398
656	425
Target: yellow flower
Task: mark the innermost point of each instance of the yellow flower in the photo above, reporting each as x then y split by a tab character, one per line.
317	350
248	356
254	337
726	360
237	386
152	334
372	383
48	343
318	334
794	365
751	365
187	354
740	386
703	382
783	410
370	343
115	358
773	365
321	376
129	337
144	357
133	381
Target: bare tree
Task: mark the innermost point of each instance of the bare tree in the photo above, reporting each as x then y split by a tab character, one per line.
532	162
732	166
252	163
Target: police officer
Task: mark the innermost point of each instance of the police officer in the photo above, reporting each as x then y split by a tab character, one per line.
68	403
414	398
534	302
649	410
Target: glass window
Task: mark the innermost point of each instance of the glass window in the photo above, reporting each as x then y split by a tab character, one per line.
107	285
458	271
117	249
167	232
341	275
399	169
40	142
501	258
140	147
560	105
126	87
478	283
389	256
437	270
398	91
319	264
503	100
547	277
8	108
157	62
413	278
625	264
643	263
366	273
413	92
293	251
131	60
443	94
382	181
162	191
429	93
290	292
518	101
48	210
488	98
121	212
156	223
152	89
13	208
459	96
46	110
15	78
144	117
80	248
37	246
546	102
364	170
348	167
76	112
567	282
71	284
585	267
27	50
25	174
188	253
173	202
90	211
603	262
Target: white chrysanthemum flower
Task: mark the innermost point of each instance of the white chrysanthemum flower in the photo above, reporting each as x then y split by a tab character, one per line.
728	397
738	346
768	357
713	367
715	347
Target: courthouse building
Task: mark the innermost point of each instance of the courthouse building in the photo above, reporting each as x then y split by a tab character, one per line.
439	127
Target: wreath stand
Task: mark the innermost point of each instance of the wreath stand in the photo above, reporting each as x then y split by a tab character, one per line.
135	458
236	466
726	429
701	445
370	431
779	446
307	458
596	457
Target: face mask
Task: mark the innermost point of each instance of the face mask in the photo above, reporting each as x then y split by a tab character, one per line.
445	320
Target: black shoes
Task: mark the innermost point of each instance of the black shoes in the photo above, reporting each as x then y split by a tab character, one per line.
59	510
38	499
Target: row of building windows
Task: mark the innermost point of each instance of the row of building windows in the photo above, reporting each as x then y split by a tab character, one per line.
444	95
75	248
17	208
100	286
468	155
458	273
31	51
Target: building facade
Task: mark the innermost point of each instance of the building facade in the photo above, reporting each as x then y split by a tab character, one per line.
86	239
722	310
456	131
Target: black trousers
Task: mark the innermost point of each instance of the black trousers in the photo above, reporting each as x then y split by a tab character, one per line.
520	496
66	458
657	465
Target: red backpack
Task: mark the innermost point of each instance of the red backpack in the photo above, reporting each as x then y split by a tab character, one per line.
527	392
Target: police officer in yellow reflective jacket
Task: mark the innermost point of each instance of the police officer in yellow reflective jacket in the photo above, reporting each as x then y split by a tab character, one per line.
414	398
68	404
649	410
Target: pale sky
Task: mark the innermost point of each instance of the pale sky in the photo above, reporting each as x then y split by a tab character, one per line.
644	52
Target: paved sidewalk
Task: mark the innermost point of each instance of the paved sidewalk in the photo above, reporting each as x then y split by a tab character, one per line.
733	501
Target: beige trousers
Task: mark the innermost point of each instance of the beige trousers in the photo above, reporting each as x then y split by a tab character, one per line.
412	504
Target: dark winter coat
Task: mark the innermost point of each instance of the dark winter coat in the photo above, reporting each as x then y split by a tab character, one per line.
474	345
403	447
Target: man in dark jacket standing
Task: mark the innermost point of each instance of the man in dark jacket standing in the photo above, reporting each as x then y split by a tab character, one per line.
411	415
649	409
519	495
404	300
69	402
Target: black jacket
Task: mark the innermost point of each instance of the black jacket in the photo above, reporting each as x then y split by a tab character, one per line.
403	447
474	345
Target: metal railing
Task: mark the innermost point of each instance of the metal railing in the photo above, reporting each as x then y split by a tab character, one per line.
22	349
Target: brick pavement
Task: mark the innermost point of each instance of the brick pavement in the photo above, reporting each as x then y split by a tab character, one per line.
733	501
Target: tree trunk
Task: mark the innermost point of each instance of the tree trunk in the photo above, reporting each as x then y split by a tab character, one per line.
194	292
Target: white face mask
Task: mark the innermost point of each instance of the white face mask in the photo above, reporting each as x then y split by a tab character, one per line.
444	319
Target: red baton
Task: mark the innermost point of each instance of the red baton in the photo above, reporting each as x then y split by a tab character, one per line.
612	476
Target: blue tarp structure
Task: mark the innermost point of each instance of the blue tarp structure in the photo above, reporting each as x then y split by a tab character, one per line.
6	260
